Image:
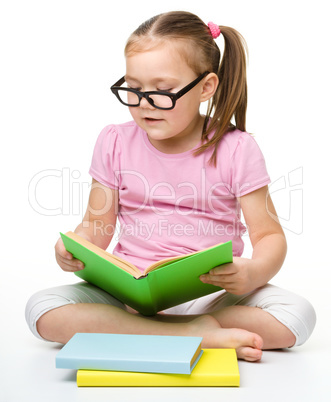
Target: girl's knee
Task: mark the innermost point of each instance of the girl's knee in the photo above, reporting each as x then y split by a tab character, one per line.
292	310
307	318
50	299
38	305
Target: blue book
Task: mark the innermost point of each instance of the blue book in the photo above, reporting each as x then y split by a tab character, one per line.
138	353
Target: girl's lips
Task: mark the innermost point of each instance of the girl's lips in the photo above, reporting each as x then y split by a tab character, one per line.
150	120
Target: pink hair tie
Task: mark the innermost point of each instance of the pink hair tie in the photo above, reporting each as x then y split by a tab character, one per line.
214	30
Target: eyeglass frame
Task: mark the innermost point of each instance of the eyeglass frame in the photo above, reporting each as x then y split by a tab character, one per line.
173	96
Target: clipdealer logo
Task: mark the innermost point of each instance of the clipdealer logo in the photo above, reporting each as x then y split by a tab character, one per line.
70	193
54	192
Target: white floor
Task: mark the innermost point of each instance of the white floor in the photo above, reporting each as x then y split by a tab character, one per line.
28	373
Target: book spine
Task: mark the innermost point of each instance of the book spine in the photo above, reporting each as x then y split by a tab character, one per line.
143	301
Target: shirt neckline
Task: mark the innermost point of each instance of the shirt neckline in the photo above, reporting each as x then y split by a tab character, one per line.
161	154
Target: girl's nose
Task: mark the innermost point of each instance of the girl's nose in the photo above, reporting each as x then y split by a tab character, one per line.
145	104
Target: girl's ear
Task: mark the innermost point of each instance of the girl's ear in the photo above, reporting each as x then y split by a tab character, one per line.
209	87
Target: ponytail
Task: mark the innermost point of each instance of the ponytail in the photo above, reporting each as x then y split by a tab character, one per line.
230	98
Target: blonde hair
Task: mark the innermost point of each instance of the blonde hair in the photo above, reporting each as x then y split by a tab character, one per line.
202	54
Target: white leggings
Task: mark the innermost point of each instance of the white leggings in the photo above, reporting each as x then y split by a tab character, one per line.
295	312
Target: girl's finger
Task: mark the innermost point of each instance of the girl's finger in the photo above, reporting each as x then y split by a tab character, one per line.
69	265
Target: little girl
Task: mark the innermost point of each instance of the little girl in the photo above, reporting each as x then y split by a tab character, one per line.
177	181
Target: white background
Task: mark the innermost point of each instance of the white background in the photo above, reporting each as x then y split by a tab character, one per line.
58	60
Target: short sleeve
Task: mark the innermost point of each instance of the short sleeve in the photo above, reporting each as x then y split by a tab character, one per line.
248	168
105	160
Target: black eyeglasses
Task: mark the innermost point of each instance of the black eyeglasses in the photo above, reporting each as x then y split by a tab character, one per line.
159	99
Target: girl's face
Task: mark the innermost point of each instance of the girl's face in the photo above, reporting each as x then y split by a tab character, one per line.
163	68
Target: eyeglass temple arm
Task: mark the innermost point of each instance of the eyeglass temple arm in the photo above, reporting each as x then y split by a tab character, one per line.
192	85
119	82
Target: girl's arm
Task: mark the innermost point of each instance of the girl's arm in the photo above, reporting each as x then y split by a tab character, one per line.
269	248
98	225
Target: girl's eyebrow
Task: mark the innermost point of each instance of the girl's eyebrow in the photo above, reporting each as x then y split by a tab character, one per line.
127	77
154	80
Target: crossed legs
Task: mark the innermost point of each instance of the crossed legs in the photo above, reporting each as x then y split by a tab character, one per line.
222	320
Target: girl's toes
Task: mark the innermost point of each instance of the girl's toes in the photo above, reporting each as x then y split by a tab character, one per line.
249	354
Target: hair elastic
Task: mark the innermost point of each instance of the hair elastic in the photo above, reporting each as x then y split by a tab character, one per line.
214	30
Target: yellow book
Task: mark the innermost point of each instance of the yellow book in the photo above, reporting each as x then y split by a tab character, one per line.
216	368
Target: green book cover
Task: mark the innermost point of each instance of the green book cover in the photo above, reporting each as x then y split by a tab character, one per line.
163	285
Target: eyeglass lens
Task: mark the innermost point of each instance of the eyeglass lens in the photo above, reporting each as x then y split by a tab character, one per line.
132	99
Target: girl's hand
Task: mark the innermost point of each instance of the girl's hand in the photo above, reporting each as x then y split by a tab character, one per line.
234	277
65	259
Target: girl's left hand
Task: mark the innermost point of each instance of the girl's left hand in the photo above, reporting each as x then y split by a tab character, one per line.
234	277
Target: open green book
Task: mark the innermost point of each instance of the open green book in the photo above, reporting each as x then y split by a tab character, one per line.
164	284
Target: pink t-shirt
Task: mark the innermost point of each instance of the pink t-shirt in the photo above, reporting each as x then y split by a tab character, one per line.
171	204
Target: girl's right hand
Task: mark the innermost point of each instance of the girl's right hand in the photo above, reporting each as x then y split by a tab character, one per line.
65	259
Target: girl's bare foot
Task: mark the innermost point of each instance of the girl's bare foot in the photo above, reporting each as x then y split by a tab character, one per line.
247	344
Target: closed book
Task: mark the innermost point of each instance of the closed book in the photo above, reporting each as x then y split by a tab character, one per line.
140	353
216	368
